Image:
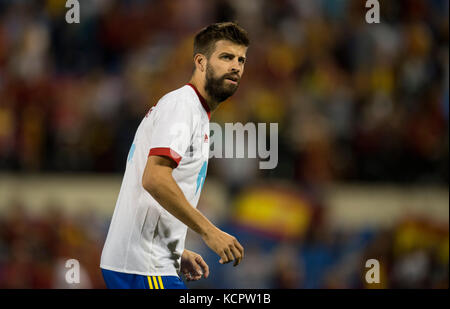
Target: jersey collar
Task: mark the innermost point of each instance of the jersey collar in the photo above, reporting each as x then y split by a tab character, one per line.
202	100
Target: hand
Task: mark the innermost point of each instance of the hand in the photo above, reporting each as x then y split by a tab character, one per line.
193	266
226	246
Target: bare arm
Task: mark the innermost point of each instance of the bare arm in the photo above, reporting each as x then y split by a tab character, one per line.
158	181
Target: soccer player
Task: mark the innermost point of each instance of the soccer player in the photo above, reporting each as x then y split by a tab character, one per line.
165	172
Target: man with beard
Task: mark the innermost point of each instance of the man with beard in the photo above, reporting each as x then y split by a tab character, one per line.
165	171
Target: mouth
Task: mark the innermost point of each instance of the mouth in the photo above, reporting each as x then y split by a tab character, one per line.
232	79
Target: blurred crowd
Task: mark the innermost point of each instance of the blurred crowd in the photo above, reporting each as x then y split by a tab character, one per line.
34	250
355	102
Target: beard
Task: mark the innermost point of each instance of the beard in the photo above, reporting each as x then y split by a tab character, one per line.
216	87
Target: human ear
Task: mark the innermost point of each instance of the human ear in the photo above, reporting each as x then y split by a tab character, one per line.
200	62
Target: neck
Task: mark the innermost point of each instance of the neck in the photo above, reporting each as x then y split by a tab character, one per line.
200	85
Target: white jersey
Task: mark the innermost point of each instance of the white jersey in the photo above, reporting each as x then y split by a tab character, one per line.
143	237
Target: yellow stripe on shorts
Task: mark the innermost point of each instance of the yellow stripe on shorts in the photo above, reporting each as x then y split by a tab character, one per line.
155	283
150	283
161	286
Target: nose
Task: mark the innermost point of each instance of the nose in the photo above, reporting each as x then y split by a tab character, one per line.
235	67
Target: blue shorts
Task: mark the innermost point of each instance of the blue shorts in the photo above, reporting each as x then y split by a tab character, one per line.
118	280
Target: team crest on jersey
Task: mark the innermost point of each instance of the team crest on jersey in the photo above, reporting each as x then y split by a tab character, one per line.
206	138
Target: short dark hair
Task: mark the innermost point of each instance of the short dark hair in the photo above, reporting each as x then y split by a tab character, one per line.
206	38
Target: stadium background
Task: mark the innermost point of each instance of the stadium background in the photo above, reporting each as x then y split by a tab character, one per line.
363	137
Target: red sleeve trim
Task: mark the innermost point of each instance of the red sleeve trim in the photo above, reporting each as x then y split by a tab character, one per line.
166	152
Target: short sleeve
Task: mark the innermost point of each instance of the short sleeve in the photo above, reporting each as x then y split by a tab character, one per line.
172	129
